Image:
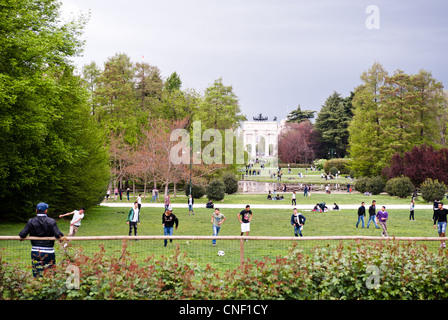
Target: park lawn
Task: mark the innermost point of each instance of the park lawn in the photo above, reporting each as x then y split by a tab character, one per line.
102	221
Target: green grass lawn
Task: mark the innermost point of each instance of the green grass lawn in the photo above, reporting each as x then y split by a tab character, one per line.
101	221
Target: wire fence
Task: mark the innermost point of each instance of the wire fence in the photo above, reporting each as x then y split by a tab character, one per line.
226	253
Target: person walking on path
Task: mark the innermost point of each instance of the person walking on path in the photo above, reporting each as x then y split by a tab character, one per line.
246	218
411	210
42	251
78	215
298	221
169	220
190	204
361	214
133	218
293	199
305	191
382	217
372	214
440	220
217	219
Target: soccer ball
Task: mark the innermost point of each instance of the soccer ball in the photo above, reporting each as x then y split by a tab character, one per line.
221	253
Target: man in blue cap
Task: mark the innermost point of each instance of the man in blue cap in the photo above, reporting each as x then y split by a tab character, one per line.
42	251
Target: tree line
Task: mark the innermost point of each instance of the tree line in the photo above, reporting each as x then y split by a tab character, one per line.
385	117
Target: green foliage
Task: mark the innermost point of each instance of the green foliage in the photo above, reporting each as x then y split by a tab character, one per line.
342	165
197	191
298	115
432	190
405	271
216	190
230	182
53	151
401	187
392	114
373	185
332	123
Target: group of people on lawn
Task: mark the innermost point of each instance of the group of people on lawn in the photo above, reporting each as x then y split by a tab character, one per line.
43	254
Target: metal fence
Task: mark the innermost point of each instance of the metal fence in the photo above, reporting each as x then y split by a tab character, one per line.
228	252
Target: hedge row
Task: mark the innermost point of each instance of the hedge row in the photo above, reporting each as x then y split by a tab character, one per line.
375	270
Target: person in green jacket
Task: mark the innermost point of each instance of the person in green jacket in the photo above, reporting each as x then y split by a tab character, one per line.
133	218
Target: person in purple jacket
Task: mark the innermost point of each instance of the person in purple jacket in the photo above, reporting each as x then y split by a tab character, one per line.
382	217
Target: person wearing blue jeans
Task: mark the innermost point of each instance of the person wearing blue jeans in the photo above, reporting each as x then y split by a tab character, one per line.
372	214
169	220
217	219
361	214
440	220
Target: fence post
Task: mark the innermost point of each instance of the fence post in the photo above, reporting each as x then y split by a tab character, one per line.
242	251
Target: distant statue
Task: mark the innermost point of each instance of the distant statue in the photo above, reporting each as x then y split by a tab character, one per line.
260	118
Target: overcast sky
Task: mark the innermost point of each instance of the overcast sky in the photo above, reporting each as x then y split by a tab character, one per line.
276	54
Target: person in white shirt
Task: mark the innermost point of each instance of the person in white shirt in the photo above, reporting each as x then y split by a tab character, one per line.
78	215
139	201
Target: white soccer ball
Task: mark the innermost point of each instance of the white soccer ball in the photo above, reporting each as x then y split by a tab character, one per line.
221	253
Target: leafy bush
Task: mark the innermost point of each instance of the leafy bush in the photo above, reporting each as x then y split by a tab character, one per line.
197	191
432	190
400	187
216	190
230	182
374	185
334	171
405	271
342	165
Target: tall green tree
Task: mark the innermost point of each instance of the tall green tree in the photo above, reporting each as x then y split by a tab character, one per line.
220	107
45	126
365	145
392	114
298	115
332	124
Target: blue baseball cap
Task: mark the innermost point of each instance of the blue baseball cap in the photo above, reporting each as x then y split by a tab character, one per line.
41	207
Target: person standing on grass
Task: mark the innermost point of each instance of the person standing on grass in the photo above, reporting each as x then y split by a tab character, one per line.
293	199
382	217
42	251
167	201
168	222
297	220
246	218
139	201
78	215
440	219
411	210
133	218
372	214
435	208
217	219
190	204
361	214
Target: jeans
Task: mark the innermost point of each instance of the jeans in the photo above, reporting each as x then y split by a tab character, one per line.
360	218
167	231
41	261
298	231
153	199
132	225
372	218
441	227
215	233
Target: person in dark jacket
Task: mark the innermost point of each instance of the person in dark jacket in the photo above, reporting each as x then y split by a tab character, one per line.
441	221
42	251
361	214
168	222
297	220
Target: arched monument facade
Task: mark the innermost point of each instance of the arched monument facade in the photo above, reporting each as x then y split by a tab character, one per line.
260	139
